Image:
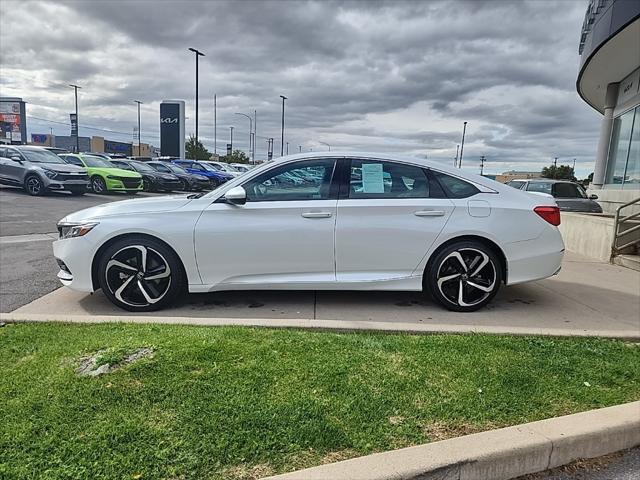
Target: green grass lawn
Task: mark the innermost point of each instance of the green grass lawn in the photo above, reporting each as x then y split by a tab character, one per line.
243	402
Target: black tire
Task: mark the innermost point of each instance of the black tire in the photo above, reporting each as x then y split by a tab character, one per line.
146	185
463	288
98	185
185	185
76	192
128	251
34	186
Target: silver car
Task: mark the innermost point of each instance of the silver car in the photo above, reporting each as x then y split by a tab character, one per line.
37	170
569	196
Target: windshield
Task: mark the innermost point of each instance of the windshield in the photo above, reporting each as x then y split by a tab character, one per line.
41	156
96	162
175	168
210	167
141	167
160	167
542	187
229	168
568	190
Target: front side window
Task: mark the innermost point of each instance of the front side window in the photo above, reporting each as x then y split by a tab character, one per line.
161	168
455	187
308	180
73	160
380	179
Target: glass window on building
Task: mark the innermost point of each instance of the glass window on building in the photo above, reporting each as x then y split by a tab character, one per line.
623	166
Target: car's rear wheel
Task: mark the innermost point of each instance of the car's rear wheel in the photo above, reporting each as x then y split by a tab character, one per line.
140	274
146	185
98	185
34	186
464	276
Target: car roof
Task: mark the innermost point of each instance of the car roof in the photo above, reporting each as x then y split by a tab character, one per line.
549	180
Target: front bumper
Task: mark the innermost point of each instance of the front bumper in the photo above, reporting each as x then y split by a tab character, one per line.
133	185
168	185
53	184
76	254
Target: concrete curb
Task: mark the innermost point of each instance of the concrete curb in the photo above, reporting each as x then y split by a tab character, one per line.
336	325
497	454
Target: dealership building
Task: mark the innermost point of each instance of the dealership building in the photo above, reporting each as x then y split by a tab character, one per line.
609	81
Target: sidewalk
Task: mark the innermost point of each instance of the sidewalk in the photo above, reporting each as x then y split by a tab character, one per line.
587	298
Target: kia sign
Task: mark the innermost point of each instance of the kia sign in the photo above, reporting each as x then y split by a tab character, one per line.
74	124
172	128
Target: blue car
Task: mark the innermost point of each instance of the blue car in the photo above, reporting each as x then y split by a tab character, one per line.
217	177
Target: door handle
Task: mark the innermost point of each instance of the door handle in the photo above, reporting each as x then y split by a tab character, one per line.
316	214
429	213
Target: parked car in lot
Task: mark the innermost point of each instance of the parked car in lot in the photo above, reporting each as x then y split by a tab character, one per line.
191	182
103	175
456	235
152	180
37	170
224	167
217	177
569	196
241	167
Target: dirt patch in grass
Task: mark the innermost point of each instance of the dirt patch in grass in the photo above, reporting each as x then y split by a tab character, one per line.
109	360
437	431
249	472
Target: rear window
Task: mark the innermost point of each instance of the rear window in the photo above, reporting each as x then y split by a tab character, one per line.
568	190
541	187
455	187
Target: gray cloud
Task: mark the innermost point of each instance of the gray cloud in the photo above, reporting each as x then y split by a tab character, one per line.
357	74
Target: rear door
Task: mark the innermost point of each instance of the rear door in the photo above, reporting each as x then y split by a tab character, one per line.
389	214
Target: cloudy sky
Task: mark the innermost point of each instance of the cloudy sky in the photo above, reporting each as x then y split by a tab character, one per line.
366	75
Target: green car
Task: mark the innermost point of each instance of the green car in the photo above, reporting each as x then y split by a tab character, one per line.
103	175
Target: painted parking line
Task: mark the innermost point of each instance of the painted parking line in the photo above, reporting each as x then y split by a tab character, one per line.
32	237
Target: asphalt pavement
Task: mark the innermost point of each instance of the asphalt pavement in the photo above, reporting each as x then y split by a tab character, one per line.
27	267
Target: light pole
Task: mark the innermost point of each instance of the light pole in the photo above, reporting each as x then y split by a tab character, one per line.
139	103
75	91
555	167
198	55
215	125
455	160
250	131
323	143
482	159
464	130
287	148
255	135
300	148
231	142
282	130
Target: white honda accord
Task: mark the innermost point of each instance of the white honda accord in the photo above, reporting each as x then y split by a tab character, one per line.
317	222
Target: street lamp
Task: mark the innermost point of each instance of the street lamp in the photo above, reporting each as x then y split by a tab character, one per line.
139	103
198	55
323	143
464	130
75	89
231	142
282	131
250	131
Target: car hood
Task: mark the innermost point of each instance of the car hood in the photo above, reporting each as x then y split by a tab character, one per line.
163	176
127	207
121	172
61	167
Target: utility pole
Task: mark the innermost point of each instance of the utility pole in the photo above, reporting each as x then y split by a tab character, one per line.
215	124
299	148
555	167
75	91
482	159
287	148
198	55
464	130
255	135
574	167
455	160
139	103
250	129
231	142
282	130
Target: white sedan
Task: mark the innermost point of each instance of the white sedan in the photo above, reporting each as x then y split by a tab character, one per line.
317	222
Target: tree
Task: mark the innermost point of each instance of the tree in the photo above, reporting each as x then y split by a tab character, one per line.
195	149
238	156
561	172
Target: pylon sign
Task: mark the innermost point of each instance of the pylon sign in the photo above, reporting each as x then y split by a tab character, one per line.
172	121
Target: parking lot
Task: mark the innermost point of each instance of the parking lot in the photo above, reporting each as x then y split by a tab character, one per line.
585	297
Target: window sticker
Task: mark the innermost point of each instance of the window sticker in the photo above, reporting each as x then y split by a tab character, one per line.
372	178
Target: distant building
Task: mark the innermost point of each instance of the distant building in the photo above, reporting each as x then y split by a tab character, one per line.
93	144
609	81
13	121
505	177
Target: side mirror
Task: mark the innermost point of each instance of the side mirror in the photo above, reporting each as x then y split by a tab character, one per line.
16	158
236	196
593	197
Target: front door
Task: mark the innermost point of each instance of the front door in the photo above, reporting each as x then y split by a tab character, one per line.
282	235
389	214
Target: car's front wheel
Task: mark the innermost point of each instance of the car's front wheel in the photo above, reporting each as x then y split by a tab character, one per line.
34	186
140	274
463	276
98	185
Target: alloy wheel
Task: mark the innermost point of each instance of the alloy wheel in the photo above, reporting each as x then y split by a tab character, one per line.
34	186
138	275
466	277
97	185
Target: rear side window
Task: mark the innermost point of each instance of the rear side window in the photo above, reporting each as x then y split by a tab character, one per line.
381	179
455	187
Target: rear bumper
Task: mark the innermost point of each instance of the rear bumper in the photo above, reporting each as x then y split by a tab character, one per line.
534	259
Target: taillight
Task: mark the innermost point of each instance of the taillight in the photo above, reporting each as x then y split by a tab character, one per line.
550	214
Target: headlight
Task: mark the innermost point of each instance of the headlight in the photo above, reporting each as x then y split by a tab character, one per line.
71	230
50	173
